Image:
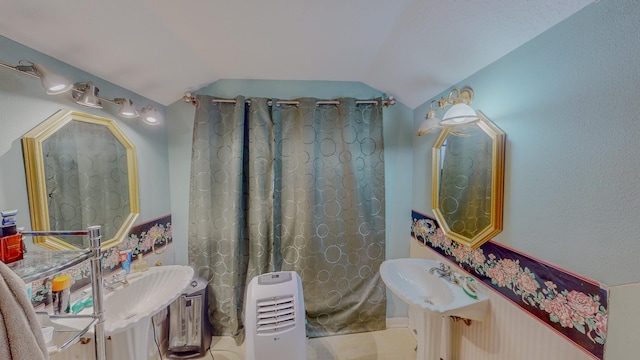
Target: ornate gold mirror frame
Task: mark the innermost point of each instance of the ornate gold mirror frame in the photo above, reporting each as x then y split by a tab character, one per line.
65	177
468	182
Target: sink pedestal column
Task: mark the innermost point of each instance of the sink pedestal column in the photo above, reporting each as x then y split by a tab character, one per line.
446	330
132	343
429	328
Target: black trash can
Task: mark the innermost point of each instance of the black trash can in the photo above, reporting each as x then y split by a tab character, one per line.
189	327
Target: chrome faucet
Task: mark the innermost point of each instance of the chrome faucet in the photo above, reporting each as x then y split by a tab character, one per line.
116	280
444	271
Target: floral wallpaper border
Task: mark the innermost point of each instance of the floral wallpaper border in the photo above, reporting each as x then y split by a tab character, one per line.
140	240
573	306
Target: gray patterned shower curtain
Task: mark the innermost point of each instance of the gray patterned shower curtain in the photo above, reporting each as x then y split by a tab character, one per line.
290	187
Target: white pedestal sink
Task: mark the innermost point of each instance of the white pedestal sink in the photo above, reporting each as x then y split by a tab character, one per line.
128	309
148	292
411	281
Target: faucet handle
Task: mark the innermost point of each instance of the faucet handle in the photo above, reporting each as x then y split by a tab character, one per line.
118	276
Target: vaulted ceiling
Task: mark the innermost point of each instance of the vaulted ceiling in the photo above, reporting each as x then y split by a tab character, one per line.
411	49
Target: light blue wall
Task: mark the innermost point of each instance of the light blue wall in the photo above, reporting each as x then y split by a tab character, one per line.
568	102
24	104
398	155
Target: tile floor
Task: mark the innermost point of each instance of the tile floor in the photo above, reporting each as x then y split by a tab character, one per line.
390	344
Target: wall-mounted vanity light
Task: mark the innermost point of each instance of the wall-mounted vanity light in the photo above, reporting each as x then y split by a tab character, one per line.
150	115
52	83
84	93
459	113
126	108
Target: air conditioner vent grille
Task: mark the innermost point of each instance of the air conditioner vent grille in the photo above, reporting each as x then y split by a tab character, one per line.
275	314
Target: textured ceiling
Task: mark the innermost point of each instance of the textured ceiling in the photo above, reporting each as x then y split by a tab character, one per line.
411	49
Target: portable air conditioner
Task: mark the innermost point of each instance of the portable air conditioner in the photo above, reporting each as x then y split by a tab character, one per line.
275	318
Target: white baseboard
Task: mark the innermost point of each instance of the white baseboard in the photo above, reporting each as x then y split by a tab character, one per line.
398	322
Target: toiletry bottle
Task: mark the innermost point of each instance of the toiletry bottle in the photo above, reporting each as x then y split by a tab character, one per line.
8	223
11	248
125	260
61	291
141	264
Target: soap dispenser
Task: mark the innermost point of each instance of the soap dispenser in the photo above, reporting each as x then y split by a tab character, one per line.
140	265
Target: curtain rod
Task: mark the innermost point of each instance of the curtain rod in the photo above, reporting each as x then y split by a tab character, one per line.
386	103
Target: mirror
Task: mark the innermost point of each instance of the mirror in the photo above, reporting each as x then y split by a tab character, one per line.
468	181
81	170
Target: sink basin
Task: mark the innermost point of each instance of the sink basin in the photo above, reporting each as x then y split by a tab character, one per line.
128	310
410	280
148	293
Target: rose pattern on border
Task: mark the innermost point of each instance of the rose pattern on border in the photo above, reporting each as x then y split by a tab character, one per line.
158	235
570	309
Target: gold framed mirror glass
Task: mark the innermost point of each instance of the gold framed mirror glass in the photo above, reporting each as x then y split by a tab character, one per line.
81	171
468	181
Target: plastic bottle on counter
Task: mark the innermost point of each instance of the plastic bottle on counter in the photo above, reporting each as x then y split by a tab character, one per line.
61	291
